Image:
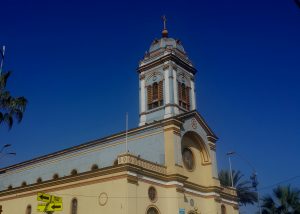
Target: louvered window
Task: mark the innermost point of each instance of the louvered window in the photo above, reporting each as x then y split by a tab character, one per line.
155	95
155	91
184	96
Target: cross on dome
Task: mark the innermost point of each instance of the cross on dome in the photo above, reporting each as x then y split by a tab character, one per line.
165	31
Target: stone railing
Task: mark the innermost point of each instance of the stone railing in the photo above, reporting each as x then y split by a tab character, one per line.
229	190
131	159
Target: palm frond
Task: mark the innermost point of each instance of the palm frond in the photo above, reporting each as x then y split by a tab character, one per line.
245	192
10	107
3	79
285	200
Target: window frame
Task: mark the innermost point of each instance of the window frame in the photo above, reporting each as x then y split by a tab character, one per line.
74	206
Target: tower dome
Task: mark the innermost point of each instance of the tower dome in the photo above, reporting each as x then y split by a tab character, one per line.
166	43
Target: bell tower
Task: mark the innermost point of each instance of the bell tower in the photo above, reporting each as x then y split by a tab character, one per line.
166	80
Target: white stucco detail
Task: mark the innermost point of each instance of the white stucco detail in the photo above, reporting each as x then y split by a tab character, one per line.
142	120
143	97
175	87
193	101
175	91
167	86
171	183
168	110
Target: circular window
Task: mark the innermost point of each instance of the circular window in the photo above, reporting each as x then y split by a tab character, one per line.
152	194
152	210
188	159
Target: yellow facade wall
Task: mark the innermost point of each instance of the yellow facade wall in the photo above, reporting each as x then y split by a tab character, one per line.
123	197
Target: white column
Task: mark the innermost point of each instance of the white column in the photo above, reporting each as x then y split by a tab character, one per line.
193	96
176	110
142	101
167	92
167	86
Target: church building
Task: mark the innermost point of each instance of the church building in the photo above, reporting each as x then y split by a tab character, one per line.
166	165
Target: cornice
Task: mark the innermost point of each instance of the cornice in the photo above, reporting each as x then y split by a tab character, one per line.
162	107
129	167
165	58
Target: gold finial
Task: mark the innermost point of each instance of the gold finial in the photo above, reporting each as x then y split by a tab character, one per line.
165	31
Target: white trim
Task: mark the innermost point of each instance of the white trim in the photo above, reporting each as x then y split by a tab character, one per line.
143	97
155	180
169	183
175	91
229	201
201	193
168	111
167	86
193	97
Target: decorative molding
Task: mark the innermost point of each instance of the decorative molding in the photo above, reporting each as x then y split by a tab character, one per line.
159	77
174	66
130	169
152	110
169	57
142	76
136	161
212	146
132	180
180	189
165	67
200	120
103	198
212	139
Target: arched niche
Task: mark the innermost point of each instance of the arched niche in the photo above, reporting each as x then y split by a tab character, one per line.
191	140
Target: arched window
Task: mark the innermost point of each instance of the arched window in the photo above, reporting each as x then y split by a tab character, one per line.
155	96
184	96
152	210
223	209
74	206
28	209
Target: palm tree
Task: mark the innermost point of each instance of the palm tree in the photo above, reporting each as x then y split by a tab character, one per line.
244	190
285	200
10	107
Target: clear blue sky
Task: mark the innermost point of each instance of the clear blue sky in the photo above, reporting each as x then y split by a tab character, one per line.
75	61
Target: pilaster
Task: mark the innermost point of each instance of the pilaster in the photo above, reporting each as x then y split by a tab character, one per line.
212	149
172	147
167	70
142	100
175	91
193	95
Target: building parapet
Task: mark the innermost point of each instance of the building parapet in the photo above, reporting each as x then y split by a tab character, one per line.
137	161
229	190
